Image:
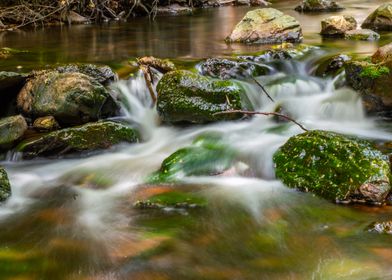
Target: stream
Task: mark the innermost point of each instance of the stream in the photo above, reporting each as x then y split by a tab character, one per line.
73	218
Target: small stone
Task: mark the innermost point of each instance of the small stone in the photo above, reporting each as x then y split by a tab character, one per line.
337	26
5	188
46	124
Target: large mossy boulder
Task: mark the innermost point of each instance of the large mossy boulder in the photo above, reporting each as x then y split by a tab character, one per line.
12	129
72	98
334	167
5	188
102	74
310	6
231	69
372	78
337	26
206	156
184	96
380	19
266	26
88	137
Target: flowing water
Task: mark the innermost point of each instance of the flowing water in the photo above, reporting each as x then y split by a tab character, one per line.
73	218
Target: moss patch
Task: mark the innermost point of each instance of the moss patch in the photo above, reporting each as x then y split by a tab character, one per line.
374	71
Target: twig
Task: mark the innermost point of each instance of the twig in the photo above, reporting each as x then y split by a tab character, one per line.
149	80
263	113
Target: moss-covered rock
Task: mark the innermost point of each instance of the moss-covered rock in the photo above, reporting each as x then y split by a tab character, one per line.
337	26
91	136
5	188
72	98
380	19
373	82
102	74
11	130
162	65
266	26
310	6
184	96
231	69
362	35
334	167
207	156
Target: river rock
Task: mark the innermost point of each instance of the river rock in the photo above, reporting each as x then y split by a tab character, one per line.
334	167
5	188
102	74
11	130
266	26
337	25
88	137
206	156
383	54
46	124
72	98
381	227
380	19
362	35
231	69
318	6
373	81
184	96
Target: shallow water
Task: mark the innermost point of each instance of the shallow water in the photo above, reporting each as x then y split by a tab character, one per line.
74	218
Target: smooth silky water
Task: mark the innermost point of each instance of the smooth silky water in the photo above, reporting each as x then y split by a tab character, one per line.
73	218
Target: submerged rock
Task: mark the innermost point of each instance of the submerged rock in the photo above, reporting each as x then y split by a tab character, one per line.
332	65
184	96
91	136
11	130
102	74
5	188
362	35
334	167
318	6
380	19
381	227
72	98
207	156
266	26
46	124
337	25
231	69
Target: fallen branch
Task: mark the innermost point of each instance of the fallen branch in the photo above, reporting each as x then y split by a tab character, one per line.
263	113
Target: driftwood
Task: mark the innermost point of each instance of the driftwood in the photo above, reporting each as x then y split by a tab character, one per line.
265	114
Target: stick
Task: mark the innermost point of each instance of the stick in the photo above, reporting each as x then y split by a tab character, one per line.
263	113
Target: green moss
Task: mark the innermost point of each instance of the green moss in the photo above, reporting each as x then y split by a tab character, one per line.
207	156
374	71
91	136
5	188
184	96
332	166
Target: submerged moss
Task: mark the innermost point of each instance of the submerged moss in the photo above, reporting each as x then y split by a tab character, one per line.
175	199
207	156
333	166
